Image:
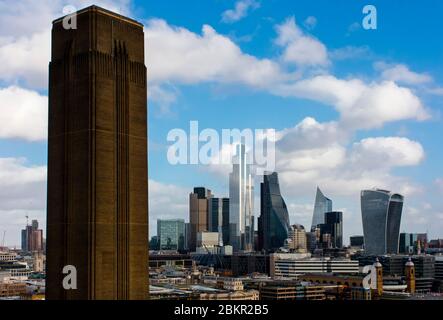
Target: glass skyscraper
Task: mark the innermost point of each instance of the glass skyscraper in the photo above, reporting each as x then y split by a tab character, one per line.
334	226
218	218
274	218
321	206
171	234
381	214
241	202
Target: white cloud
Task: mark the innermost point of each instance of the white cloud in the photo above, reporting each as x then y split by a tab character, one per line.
350	52
361	105
176	54
26	58
241	10
24	114
164	96
314	153
381	152
167	201
25	36
438	91
310	134
310	22
300	48
400	73
22	186
439	183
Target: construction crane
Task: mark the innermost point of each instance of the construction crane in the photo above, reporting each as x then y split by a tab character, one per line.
27	220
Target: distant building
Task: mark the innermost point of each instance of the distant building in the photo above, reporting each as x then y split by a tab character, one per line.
356	241
236	295
298	292
198	214
273	226
334	224
311	241
297	239
154	243
241	201
381	214
171	234
292	265
321	206
218	218
32	238
207	239
394	267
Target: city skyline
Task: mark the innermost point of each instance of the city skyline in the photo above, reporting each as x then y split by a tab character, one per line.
326	137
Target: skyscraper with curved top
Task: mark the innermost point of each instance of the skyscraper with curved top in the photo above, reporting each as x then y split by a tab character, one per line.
381	214
321	206
274	218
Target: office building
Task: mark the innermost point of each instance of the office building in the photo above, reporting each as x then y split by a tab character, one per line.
321	206
297	239
198	214
381	214
218	218
207	239
356	241
274	218
32	238
334	227
97	218
241	201
311	241
171	234
292	265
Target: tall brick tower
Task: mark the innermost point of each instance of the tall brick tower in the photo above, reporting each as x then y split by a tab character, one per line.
97	219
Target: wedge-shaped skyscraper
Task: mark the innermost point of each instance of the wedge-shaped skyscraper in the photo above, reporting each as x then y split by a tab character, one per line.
381	214
321	206
273	223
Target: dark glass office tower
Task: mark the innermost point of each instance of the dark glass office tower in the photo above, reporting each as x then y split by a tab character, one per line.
97	158
381	214
274	219
218	217
334	226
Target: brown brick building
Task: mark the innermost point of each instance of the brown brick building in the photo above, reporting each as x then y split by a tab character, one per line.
97	158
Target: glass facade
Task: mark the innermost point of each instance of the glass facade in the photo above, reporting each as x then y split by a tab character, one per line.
218	218
381	214
321	206
241	202
274	219
334	226
171	234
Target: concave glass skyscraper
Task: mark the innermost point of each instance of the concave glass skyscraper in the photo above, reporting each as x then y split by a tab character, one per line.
381	214
321	206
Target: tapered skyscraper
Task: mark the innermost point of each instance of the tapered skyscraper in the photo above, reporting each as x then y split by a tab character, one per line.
241	202
321	206
273	223
97	159
381	214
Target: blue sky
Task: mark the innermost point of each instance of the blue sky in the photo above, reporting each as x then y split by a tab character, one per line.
353	108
